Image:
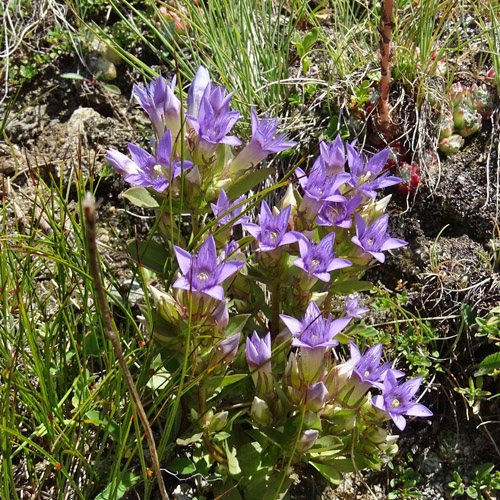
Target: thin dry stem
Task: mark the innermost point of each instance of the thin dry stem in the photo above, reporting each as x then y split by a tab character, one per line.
90	215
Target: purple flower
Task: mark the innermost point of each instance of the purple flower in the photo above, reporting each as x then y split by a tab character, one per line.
145	169
333	156
214	119
351	308
161	105
365	177
262	144
320	187
398	400
225	350
314	335
202	273
368	367
258	351
319	259
196	91
271	233
374	239
338	213
307	440
223	206
317	394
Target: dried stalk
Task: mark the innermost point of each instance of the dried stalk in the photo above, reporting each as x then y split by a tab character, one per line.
386	26
90	214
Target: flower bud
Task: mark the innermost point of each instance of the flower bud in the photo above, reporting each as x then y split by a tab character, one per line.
260	412
165	304
292	376
221	316
307	440
225	350
218	421
317	394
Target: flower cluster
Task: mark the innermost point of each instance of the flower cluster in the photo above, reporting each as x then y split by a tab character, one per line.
278	285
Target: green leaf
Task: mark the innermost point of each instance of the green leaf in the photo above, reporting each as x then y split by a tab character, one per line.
112	88
236	324
225	380
182	466
471	492
114	492
310	39
488	365
72	76
232	461
248	182
94	417
328	472
140	197
189	440
149	254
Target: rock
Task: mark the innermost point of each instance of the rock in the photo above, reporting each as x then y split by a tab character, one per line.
87	123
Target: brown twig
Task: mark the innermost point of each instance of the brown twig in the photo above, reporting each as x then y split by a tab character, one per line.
90	214
386	26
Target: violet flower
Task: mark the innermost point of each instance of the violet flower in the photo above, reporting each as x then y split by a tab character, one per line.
365	177
258	351
338	213
214	120
271	232
225	350
202	273
146	170
368	367
262	144
319	259
314	335
333	156
161	105
223	205
316	396
398	400
351	308
258	354
196	91
374	239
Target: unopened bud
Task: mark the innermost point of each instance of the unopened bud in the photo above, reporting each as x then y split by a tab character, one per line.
260	412
307	440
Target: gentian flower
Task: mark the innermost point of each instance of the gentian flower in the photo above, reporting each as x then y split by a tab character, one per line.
398	400
351	308
161	105
214	119
202	273
368	368
338	213
146	170
374	239
314	335
307	440
319	259
262	144
225	350
316	396
223	205
271	233
258	354
196	91
333	156
365	177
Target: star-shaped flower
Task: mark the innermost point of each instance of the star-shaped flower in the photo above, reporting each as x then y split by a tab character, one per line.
202	273
398	400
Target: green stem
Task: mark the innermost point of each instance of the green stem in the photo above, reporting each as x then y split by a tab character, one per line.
275	311
289	464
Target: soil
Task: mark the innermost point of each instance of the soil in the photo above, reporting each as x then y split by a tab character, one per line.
450	223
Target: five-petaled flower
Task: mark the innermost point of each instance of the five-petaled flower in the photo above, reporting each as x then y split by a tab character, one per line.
398	400
202	273
374	239
147	170
271	233
262	144
226	211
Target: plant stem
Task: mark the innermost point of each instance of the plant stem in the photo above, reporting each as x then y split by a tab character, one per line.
386	27
111	333
275	310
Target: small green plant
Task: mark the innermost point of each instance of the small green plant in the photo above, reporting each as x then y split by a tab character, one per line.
404	481
484	481
304	46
